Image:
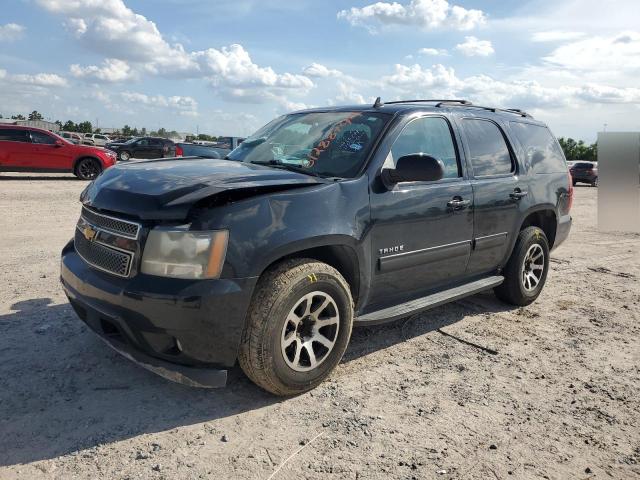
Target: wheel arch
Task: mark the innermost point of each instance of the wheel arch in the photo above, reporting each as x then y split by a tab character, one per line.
340	255
545	218
82	157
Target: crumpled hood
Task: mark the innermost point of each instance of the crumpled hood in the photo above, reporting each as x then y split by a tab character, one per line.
166	189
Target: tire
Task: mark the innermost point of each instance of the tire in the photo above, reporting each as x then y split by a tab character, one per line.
124	156
574	183
595	182
88	169
274	351
518	288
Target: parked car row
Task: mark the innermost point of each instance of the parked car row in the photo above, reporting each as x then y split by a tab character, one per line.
29	149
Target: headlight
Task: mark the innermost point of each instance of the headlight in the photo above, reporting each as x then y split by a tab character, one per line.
184	254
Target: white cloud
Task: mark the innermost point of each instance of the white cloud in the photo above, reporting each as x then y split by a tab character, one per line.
415	76
555	36
38	79
433	52
134	45
10	32
437	81
111	71
180	104
473	47
320	71
347	94
605	54
427	14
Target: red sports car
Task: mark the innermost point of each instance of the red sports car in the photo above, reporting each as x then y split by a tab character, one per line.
28	149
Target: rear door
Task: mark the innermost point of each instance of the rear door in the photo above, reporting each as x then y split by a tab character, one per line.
156	147
497	191
15	146
142	149
421	231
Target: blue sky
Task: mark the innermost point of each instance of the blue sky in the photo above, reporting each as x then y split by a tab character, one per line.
226	67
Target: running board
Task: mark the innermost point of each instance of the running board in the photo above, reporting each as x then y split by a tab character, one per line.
430	301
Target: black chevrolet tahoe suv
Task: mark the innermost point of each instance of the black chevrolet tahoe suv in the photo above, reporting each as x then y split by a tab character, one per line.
322	220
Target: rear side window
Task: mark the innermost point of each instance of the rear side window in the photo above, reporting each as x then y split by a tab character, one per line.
488	148
42	138
430	135
583	165
13	135
540	148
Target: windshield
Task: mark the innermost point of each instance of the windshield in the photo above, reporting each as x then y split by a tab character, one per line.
132	140
328	144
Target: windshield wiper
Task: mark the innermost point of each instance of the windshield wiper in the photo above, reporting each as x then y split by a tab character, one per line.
286	166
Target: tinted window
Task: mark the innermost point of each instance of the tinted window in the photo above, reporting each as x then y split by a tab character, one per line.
488	149
13	135
142	143
540	148
583	165
42	138
429	135
155	142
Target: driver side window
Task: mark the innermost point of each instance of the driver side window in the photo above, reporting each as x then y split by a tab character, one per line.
429	135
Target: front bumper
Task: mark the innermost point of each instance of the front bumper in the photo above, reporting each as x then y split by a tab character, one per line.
185	330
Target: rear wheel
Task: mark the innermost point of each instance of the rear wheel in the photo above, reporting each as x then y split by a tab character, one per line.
595	182
88	169
526	270
298	327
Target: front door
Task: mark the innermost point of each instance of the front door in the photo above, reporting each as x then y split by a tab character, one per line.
421	231
46	154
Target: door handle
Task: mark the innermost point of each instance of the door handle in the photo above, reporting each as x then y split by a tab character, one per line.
517	194
457	203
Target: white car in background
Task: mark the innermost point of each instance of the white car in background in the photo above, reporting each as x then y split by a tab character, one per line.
95	139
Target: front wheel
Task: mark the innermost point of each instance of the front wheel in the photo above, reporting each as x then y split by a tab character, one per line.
526	270
298	327
124	156
88	169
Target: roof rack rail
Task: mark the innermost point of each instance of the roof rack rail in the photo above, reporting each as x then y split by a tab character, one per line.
462	102
515	111
456	102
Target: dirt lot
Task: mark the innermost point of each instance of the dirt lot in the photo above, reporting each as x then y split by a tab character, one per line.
559	400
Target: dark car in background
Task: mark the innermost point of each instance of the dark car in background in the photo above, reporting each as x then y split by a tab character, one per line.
584	172
28	149
186	149
143	147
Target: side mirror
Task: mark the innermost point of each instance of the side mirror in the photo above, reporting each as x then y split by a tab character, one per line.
416	167
58	143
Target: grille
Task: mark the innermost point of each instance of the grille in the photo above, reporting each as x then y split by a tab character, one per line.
103	257
110	224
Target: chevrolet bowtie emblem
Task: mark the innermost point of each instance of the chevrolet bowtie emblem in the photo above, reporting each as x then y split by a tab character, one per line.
89	233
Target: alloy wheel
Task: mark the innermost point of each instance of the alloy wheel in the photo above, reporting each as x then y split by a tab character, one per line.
533	267
310	331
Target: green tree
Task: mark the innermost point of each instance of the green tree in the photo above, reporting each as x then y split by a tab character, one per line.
69	126
578	150
85	127
162	133
35	115
206	138
126	131
135	132
18	117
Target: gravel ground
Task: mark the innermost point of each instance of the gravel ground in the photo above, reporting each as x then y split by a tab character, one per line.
558	399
